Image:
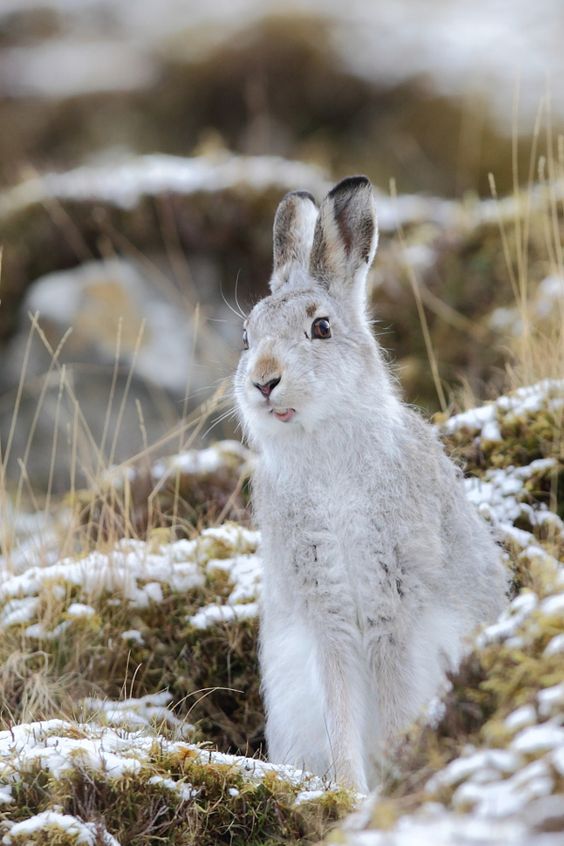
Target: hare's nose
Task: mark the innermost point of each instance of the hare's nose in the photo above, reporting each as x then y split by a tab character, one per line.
267	387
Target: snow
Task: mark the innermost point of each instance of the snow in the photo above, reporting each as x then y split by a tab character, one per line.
499	760
58	746
228	536
133	635
498	493
143	711
18	611
510	620
498	783
124	183
549	295
135	574
212	615
255	770
79	609
558	760
491	432
502	798
45	745
541	738
524	716
83	833
521	402
31	537
202	461
245	572
438	827
555	645
501	494
472	419
182	789
308	796
553	606
549	698
38	631
130	570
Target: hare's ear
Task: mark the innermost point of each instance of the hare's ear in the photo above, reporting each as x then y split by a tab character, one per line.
293	229
345	239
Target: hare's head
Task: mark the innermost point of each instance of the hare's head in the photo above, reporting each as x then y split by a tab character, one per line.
309	354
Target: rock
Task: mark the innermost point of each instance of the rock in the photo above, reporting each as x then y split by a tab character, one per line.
100	301
216	210
156	209
197	227
440	119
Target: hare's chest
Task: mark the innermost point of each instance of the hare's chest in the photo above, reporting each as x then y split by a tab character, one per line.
327	543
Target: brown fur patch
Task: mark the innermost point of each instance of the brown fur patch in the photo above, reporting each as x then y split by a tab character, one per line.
266	368
311	309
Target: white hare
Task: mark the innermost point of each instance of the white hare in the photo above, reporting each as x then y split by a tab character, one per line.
376	566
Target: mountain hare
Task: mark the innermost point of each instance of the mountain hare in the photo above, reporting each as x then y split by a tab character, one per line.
375	565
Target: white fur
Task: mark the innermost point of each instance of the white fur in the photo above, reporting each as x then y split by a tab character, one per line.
376	566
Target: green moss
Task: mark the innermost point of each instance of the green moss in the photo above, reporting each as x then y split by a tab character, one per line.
211	674
215	803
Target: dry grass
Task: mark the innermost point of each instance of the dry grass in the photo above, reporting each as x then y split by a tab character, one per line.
212	675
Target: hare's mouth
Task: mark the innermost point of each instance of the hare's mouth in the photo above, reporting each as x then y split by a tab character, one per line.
283	414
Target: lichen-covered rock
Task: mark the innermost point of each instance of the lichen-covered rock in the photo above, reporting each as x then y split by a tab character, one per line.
137	356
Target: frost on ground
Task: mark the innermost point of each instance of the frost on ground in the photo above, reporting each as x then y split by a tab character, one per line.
142	617
511	451
134	782
118	663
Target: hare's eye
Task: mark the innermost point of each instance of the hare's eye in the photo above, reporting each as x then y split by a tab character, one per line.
245	340
321	328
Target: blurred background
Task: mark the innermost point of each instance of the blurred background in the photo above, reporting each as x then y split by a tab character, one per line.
144	148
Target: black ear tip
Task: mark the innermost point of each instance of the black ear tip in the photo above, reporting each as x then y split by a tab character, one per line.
303	195
350	184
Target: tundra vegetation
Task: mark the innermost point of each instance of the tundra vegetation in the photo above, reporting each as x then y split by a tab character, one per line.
130	571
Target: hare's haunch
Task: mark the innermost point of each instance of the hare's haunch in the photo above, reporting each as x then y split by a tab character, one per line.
376	566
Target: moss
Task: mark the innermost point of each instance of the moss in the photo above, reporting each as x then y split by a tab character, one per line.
180	799
211	674
526	435
510	665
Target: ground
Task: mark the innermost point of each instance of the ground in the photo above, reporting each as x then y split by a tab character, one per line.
128	663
